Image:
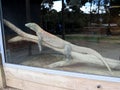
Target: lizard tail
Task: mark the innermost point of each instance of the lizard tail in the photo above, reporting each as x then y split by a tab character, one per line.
86	50
106	64
103	60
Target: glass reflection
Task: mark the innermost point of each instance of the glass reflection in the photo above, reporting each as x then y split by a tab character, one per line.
88	23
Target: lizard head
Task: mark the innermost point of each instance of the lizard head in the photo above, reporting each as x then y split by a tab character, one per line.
32	26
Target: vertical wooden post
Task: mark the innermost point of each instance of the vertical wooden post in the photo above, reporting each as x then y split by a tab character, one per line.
2	75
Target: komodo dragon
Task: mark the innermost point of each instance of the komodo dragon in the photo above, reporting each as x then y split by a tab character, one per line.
57	42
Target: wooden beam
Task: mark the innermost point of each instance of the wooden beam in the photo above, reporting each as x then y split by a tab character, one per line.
2	76
33	80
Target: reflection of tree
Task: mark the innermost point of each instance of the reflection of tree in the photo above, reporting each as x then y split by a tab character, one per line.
52	19
45	8
72	16
115	2
74	3
84	1
47	4
101	9
72	19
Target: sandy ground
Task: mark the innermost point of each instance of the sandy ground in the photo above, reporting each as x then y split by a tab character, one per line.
49	56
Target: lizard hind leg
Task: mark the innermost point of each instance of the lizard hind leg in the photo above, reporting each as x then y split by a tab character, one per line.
67	52
66	61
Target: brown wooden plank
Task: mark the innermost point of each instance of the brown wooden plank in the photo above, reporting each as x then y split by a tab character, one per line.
29	80
27	85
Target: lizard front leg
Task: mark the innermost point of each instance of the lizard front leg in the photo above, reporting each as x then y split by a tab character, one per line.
67	52
39	41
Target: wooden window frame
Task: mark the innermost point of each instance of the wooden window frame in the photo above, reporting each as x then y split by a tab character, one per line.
33	78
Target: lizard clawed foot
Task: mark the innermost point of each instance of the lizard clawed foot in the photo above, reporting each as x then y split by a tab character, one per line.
59	64
67	52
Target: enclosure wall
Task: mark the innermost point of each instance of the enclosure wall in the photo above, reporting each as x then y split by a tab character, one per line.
32	80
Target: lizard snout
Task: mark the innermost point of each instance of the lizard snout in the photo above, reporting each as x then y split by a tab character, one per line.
31	26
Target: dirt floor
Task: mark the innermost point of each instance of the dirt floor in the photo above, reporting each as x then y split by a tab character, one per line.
48	56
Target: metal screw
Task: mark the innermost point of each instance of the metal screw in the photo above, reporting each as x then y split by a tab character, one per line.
98	86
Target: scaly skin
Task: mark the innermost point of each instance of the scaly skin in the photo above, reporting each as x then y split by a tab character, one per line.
57	42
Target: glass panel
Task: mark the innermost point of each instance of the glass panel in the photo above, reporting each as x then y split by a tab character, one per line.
91	31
